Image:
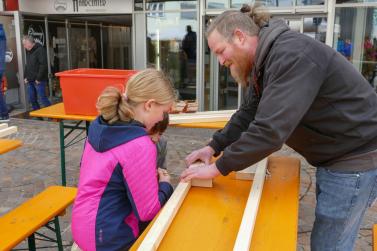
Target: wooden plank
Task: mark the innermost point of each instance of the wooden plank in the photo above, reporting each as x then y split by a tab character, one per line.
3	126
199	117
7	145
156	233
31	215
247	173
8	131
251	210
200	182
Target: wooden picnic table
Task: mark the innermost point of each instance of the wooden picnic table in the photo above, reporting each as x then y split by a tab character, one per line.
58	113
209	218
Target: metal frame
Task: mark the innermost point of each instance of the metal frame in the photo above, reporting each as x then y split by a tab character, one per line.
56	229
62	138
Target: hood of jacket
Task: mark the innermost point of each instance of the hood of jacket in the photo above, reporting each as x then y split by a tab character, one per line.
267	36
103	137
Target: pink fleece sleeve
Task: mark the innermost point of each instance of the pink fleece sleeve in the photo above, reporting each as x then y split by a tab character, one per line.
139	170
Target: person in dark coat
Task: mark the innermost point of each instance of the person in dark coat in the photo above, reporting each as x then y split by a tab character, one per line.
35	73
302	93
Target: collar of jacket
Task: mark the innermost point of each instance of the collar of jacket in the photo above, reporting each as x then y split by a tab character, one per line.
267	36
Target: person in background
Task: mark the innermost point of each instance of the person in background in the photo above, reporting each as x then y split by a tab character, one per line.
4	115
118	188
302	93
160	141
35	72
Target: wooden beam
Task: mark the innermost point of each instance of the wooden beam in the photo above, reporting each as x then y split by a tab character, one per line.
154	236
199	117
247	173
3	126
200	182
246	229
7	131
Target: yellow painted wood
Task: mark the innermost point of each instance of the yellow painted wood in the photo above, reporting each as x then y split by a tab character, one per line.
209	218
7	145
375	237
57	112
205	125
24	220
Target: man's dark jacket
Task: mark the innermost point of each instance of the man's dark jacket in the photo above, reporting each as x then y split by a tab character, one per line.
36	64
312	99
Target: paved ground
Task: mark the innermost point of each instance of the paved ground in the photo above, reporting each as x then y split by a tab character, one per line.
33	167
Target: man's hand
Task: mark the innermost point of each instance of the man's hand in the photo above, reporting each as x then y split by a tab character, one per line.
163	175
204	154
37	82
200	172
26	81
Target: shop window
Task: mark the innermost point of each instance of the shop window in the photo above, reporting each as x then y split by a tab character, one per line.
138	5
217	4
315	27
171	47
158	5
310	2
355	37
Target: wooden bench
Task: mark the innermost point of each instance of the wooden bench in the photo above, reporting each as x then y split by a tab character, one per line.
7	145
41	210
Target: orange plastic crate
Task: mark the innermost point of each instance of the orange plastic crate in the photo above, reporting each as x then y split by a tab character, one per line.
81	87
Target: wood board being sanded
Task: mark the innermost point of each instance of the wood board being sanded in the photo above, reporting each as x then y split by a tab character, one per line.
6	131
153	239
246	229
200	182
200	117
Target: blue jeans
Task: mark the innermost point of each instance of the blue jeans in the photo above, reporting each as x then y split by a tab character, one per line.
37	91
342	199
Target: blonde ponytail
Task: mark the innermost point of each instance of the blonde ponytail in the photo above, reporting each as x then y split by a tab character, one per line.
148	84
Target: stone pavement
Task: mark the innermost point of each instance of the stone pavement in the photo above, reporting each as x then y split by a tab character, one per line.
34	166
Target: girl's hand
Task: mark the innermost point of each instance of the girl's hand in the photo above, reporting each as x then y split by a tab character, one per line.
163	175
200	172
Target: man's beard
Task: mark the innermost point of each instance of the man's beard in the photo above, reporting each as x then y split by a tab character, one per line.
240	76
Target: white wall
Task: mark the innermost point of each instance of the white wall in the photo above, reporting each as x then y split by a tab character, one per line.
68	6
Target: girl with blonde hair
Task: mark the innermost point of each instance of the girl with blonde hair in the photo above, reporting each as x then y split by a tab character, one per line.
118	187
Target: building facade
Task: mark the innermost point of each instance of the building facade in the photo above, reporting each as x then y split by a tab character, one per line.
169	35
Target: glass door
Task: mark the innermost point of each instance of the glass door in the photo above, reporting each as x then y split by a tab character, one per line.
221	91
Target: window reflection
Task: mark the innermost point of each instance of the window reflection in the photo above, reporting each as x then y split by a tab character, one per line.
310	2
78	46
217	4
315	27
171	47
158	5
355	37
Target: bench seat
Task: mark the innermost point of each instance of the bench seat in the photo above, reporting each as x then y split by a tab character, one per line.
23	221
